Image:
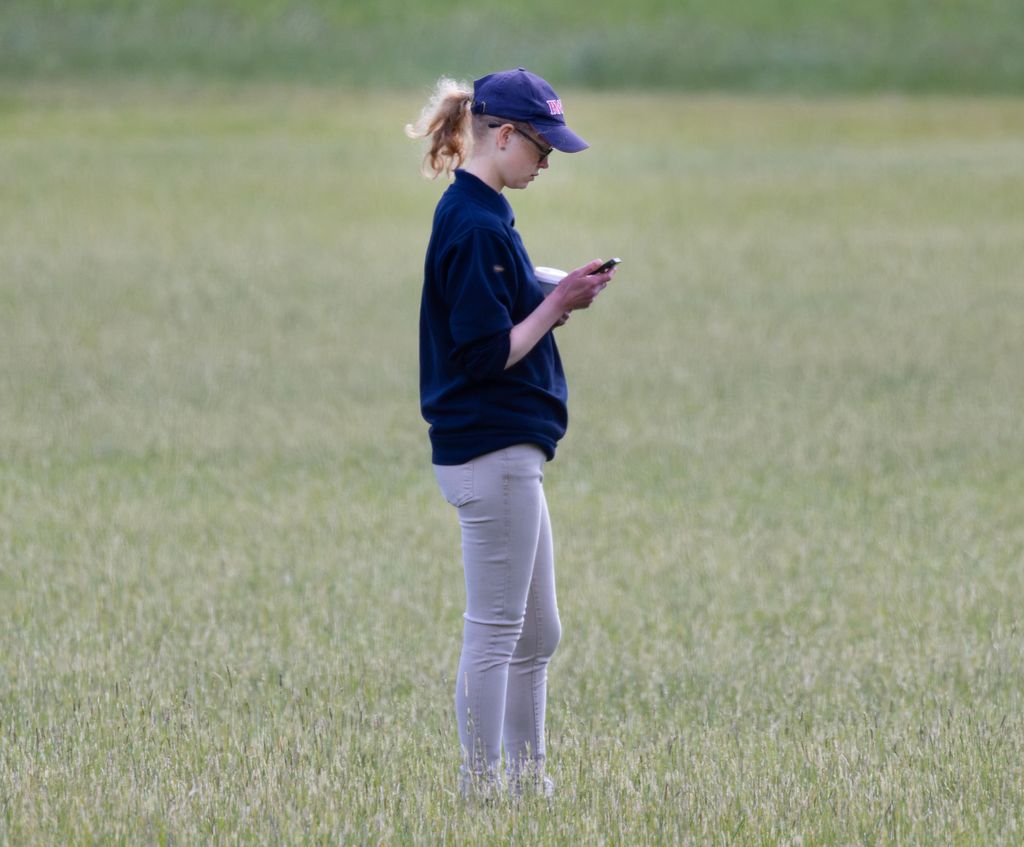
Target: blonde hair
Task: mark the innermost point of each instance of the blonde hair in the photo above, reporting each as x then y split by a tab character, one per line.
446	121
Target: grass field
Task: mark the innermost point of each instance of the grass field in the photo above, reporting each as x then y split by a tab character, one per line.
967	46
789	511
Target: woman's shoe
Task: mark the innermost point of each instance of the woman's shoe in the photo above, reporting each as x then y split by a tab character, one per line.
531	785
480	786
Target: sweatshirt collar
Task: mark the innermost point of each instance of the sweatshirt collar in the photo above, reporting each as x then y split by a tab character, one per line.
478	190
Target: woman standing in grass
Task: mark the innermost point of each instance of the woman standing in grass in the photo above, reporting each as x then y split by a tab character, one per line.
493	391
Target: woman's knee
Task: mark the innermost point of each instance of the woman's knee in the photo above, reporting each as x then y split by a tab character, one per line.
539	640
491	642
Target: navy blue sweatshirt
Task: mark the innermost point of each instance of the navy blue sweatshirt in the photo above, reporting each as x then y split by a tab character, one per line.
479	283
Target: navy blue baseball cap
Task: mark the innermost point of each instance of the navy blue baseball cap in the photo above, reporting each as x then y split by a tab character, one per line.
522	96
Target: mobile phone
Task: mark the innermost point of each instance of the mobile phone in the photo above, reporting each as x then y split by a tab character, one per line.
607	266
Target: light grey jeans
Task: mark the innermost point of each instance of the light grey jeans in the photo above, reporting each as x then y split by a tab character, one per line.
511	625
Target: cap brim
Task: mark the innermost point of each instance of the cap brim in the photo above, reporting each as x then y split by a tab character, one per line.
560	137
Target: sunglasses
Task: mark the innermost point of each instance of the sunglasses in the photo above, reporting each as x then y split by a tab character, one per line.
544	151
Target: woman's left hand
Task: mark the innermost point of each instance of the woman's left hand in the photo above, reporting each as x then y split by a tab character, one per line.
562	321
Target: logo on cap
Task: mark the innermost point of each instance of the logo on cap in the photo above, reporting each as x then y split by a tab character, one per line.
555	107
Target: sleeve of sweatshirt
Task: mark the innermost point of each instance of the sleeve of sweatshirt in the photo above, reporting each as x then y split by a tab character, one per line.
479	285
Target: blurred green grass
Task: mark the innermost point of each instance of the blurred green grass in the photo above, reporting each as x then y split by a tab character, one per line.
806	46
788	510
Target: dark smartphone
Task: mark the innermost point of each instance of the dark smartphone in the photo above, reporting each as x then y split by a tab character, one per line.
607	266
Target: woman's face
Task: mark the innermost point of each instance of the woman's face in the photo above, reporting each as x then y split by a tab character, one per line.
521	155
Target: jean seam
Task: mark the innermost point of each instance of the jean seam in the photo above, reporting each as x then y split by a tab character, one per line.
535	667
506	494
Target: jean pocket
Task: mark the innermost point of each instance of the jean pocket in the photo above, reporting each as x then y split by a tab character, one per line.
456	482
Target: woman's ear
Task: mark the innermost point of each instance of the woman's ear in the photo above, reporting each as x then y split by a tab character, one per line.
504	134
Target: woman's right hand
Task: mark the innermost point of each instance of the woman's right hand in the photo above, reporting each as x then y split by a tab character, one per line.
579	288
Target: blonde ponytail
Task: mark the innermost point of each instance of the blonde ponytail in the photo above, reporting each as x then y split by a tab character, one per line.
446	121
